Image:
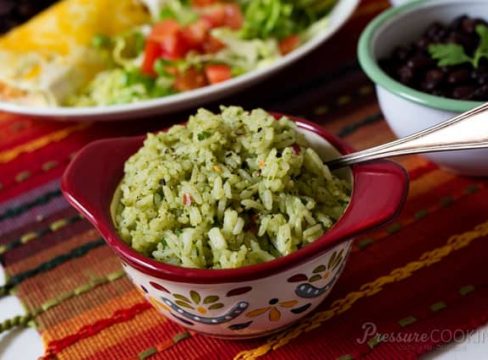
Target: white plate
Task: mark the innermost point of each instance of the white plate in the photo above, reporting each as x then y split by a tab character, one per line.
341	12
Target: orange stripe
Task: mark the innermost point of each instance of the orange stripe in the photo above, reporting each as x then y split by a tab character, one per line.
412	162
6	117
428	182
115	335
68	327
66	277
9	155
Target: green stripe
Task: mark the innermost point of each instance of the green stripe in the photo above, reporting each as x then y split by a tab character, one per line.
147	353
41	200
351	128
465	290
407	321
19	320
49	265
438	306
375	341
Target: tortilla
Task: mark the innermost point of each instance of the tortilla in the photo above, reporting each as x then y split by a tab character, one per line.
50	57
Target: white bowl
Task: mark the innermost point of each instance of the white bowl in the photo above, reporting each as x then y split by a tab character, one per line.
407	110
339	15
398	2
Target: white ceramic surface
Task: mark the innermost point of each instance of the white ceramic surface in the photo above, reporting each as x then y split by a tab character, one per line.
341	12
399	2
406	117
407	113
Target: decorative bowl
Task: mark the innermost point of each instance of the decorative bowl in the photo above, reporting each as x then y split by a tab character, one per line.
253	300
408	110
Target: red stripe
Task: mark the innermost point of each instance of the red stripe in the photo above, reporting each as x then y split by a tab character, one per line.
56	346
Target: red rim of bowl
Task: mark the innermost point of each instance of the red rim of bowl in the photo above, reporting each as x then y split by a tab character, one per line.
371	205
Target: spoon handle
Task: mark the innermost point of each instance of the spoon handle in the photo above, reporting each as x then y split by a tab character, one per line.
466	131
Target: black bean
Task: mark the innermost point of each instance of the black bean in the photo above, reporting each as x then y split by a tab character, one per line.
481	93
419	62
402	53
463	92
412	64
458	77
435	31
405	74
434	75
468	25
6	7
479	76
424	42
457	23
432	79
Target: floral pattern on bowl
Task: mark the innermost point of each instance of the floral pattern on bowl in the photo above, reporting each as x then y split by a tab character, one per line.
228	310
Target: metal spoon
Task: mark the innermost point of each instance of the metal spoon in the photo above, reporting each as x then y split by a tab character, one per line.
466	131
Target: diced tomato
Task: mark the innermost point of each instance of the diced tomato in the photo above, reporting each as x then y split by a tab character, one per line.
215	15
190	79
168	34
223	15
288	44
203	2
196	34
152	52
233	16
217	73
187	199
296	149
212	45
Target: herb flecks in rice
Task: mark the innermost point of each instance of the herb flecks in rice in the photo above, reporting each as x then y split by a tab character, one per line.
227	190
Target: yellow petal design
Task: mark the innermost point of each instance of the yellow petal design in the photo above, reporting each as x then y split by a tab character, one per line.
257	312
274	314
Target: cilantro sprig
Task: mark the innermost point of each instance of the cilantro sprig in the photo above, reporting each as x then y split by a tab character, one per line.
454	54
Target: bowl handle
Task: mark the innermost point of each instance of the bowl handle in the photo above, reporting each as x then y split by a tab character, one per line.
380	191
96	170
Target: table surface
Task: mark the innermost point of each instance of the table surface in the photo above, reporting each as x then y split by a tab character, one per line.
26	343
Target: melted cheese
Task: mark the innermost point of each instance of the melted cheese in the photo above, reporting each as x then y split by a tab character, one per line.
72	23
50	56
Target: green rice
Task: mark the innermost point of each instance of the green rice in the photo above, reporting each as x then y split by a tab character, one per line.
226	190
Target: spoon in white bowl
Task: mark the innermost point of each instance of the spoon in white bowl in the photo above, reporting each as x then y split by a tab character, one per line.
466	131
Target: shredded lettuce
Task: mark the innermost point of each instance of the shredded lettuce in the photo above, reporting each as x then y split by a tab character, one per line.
280	18
242	55
128	49
174	9
171	9
118	86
